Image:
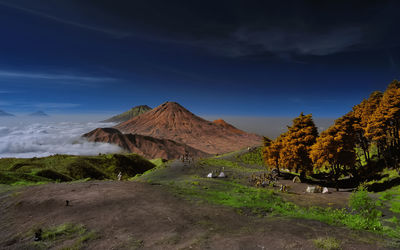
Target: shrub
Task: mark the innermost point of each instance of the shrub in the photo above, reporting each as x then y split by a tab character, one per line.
53	175
82	169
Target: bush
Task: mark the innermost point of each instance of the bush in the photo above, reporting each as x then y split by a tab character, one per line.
131	165
82	169
364	205
53	175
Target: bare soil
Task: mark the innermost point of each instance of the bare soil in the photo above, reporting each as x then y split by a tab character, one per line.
130	215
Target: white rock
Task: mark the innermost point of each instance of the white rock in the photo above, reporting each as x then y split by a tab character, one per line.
325	190
221	175
210	175
310	189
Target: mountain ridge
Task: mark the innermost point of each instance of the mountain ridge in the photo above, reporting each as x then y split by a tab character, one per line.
127	115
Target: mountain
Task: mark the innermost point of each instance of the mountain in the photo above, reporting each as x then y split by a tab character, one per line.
147	146
229	127
38	113
3	113
172	121
133	112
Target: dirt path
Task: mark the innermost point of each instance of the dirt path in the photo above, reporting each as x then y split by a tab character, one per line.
129	215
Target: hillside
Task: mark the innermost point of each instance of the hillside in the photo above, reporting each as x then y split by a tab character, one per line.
68	168
147	146
3	113
133	112
172	121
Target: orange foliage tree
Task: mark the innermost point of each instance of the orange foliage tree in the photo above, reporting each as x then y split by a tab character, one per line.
296	145
335	148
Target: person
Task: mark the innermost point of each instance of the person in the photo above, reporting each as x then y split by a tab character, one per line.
119	176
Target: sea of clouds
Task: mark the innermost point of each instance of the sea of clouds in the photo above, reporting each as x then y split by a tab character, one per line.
38	137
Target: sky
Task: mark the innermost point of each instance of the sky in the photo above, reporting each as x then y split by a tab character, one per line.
233	58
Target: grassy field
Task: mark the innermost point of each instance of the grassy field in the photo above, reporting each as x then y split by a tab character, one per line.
62	168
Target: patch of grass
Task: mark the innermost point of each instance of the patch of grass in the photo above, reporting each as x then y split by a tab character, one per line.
252	158
391	198
328	243
73	236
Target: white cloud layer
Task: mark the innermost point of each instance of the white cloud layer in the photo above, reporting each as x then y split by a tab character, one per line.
43	138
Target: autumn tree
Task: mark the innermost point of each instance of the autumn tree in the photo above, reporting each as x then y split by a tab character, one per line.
296	145
384	124
271	152
361	114
335	148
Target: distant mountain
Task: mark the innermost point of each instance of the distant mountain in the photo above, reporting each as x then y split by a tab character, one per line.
3	113
146	146
133	112
38	113
172	121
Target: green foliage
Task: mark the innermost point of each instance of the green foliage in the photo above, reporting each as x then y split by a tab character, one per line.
226	163
328	243
15	171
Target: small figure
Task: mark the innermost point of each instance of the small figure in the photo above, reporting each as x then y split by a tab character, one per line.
38	235
119	176
66	203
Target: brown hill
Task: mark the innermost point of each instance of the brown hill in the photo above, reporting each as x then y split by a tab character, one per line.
147	146
229	127
172	121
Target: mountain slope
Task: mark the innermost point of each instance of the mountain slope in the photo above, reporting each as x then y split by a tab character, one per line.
3	113
172	121
147	146
133	112
228	126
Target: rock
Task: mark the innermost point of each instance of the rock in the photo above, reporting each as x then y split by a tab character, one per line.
310	189
325	190
221	175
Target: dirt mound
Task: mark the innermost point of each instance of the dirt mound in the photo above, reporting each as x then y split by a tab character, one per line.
229	127
147	146
172	121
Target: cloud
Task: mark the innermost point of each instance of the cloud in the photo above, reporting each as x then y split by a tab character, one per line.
55	105
47	76
34	139
298	42
115	33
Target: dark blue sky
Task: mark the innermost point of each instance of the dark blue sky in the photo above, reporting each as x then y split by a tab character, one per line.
252	58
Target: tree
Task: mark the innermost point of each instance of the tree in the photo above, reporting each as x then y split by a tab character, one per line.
266	141
271	152
383	126
362	113
335	148
296	145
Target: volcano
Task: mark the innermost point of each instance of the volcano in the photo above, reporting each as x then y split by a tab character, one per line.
173	122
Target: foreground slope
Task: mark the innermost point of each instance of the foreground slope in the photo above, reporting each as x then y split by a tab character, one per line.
172	121
133	112
147	146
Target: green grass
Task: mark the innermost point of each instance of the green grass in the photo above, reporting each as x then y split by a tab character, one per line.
76	235
61	168
252	158
215	162
391	197
328	243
